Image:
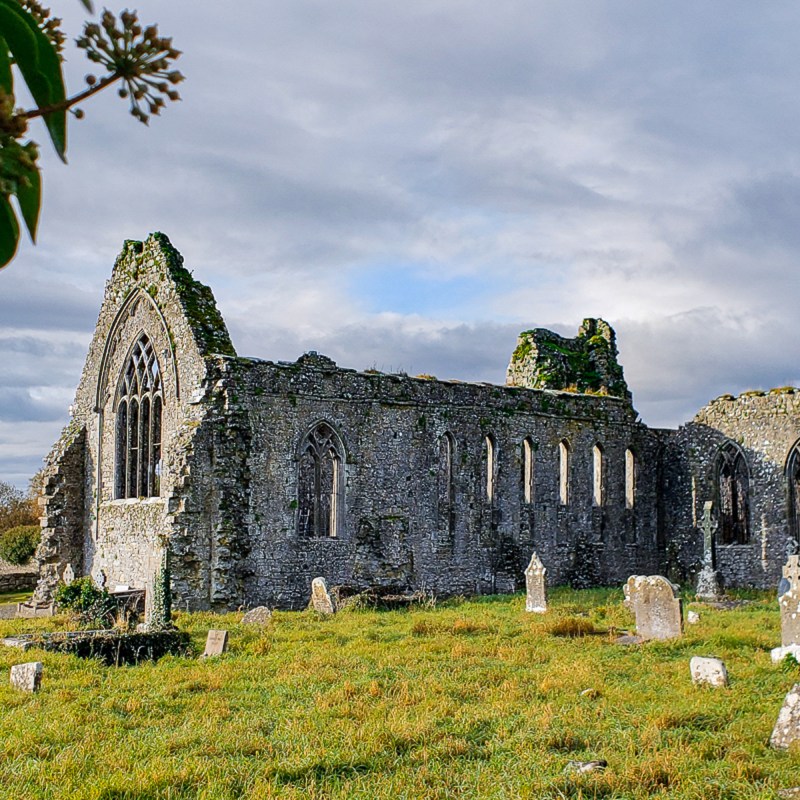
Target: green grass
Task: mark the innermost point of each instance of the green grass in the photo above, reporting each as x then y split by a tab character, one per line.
7	598
473	698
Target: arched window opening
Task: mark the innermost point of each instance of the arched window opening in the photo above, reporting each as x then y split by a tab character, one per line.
527	471
446	481
630	478
138	424
598	476
793	480
563	472
320	482
490	456
733	484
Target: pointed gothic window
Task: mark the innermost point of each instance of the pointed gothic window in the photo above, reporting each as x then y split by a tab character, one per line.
598	477
630	478
320	482
490	459
563	472
793	478
446	482
527	471
733	483
138	424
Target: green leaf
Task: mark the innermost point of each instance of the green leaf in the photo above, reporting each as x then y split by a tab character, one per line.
87	4
9	231
30	200
6	78
38	62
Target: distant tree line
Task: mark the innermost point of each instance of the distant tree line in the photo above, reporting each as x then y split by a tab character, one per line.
19	522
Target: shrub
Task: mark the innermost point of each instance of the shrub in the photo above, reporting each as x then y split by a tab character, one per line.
17	545
95	607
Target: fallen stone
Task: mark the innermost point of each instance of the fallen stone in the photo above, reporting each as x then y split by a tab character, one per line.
787	727
708	670
320	597
583	767
27	677
790	794
257	616
692	617
779	653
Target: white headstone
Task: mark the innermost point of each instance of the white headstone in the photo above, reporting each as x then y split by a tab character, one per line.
789	603
27	677
216	643
711	671
536	594
320	598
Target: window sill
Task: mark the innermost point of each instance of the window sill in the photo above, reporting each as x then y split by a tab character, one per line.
131	501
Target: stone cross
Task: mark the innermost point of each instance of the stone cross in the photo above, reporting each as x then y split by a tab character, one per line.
787	728
216	643
709	528
658	611
320	597
791	572
536	596
27	677
69	575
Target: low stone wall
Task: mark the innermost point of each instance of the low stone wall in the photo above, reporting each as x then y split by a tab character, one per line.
17	579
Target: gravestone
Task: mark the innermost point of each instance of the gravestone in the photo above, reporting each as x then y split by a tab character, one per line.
790	617
787	728
709	584
69	575
658	611
320	598
216	643
536	596
791	575
257	616
27	677
711	671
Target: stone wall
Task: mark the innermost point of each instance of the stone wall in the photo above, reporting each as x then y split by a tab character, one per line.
17	579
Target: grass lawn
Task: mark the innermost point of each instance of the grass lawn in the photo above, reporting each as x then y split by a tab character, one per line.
12	598
469	699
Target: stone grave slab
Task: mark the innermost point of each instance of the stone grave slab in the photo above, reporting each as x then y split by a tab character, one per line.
216	643
33	610
789	603
27	677
536	589
260	615
320	597
787	727
707	670
658	611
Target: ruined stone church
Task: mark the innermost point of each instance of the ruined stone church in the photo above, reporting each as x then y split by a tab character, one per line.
251	477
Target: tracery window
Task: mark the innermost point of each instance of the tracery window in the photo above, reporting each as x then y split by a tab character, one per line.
138	424
793	478
598	476
527	470
733	483
320	482
563	472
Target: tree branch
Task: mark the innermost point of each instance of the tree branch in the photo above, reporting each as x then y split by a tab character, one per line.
71	101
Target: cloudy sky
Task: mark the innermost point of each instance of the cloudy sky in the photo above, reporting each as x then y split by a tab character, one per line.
406	186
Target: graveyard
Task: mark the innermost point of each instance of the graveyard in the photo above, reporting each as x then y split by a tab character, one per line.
462	697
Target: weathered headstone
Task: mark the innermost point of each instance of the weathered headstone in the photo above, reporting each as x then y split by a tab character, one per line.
709	584
216	643
658	611
27	677
536	595
692	617
69	575
790	617
787	728
320	597
790	575
711	671
257	616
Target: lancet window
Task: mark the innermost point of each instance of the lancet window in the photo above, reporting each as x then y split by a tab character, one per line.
563	472
138	424
320	489
793	478
490	460
527	471
630	478
598	476
733	484
446	481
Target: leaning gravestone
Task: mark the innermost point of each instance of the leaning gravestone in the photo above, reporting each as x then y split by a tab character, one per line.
27	677
260	615
536	596
216	643
787	728
657	610
320	597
